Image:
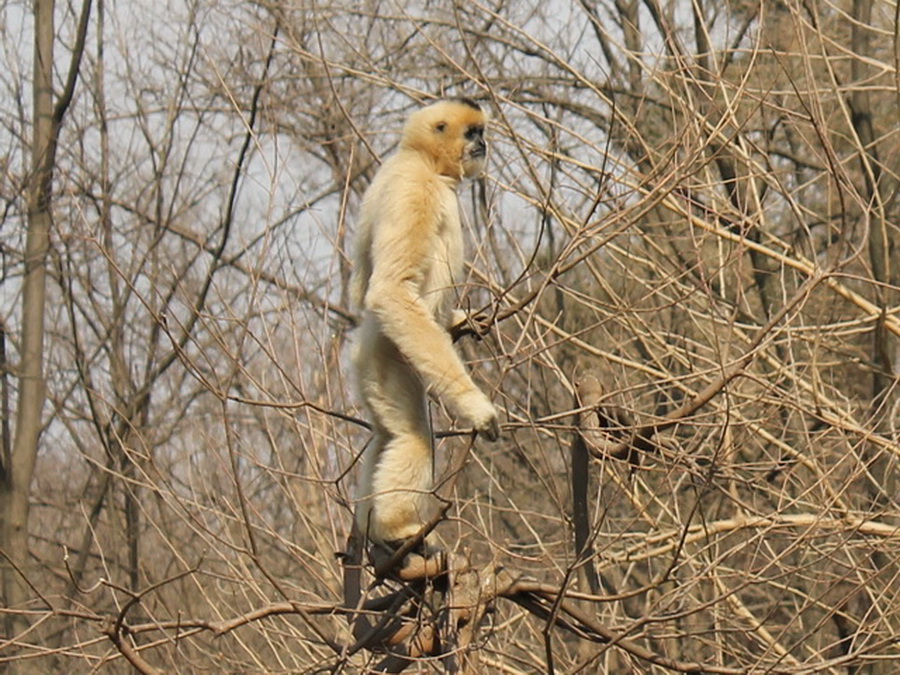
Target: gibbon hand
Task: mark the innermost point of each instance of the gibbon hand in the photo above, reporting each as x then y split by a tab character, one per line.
491	431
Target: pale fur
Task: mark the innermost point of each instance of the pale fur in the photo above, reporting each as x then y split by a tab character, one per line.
407	263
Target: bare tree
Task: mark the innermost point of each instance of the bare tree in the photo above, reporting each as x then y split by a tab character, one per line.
684	254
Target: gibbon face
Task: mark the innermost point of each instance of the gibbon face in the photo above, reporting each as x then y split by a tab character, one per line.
451	133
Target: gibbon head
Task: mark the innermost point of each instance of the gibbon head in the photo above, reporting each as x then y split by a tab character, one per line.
451	133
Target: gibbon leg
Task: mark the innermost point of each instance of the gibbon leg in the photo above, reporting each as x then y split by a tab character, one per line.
397	475
401	483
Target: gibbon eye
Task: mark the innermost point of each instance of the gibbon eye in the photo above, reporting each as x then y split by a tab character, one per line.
440	127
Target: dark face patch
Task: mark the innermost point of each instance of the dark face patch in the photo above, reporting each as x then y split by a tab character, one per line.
474	135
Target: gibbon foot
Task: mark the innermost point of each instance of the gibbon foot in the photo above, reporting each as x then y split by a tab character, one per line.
421	548
423	562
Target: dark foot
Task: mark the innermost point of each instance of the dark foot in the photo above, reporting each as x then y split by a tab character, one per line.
422	561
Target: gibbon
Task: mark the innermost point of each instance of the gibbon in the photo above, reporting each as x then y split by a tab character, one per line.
408	258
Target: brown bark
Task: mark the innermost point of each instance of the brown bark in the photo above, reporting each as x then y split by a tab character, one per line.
19	471
30	402
880	243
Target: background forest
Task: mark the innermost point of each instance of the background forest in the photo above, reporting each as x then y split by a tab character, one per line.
686	246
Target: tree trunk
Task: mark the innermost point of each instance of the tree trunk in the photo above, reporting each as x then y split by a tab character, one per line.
17	477
883	486
881	245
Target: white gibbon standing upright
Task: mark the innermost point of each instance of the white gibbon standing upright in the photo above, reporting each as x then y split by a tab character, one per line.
407	263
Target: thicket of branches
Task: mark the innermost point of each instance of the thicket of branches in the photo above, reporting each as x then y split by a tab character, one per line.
686	245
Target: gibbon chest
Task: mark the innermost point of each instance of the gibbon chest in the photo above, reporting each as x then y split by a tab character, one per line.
441	281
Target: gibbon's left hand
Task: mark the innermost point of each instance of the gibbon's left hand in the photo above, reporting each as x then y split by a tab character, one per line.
477	326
